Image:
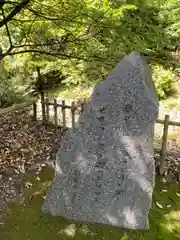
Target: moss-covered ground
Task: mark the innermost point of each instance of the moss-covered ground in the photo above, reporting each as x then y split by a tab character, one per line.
29	223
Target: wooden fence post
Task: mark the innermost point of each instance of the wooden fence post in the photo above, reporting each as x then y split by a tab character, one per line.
34	111
64	114
73	109
82	107
43	106
55	112
164	143
41	95
47	109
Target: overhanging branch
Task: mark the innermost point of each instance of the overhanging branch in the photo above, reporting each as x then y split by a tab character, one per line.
14	12
7	29
42	16
54	54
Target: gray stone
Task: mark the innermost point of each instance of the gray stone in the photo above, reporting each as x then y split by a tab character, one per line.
105	169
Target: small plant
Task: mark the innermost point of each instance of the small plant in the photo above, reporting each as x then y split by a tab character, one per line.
164	81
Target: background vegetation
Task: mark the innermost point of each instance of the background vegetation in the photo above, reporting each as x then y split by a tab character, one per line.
83	41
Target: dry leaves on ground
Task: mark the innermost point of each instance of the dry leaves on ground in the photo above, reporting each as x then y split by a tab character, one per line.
24	142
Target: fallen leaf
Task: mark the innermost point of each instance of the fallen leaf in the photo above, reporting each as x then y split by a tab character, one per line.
164	180
159	205
178	194
28	185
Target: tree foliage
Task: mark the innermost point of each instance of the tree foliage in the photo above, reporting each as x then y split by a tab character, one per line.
83	38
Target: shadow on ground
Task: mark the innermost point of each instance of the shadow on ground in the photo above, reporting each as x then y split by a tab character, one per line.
29	223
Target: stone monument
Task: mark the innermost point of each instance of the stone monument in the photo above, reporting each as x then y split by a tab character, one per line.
104	169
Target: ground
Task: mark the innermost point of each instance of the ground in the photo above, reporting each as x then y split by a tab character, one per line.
26	150
26	221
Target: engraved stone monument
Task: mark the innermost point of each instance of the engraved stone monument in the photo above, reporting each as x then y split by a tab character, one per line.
104	169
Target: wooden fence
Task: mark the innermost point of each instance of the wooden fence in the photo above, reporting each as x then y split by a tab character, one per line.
74	107
45	103
45	111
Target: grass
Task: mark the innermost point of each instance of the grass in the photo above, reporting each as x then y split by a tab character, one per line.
29	223
72	92
171	102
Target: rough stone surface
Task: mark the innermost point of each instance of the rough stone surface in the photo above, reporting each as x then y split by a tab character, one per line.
105	168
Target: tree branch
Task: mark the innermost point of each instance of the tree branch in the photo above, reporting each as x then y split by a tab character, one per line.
9	53
42	16
54	54
29	30
14	12
37	45
42	52
7	29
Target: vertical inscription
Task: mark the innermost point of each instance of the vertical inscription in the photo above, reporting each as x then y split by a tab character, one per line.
101	162
98	176
121	178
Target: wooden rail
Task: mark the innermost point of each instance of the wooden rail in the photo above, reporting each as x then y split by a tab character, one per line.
46	103
172	123
63	105
163	151
15	107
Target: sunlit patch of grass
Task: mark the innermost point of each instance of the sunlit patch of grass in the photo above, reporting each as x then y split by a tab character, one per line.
171	102
173	219
72	92
29	223
69	231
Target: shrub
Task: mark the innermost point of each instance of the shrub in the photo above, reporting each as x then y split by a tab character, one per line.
9	94
164	81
